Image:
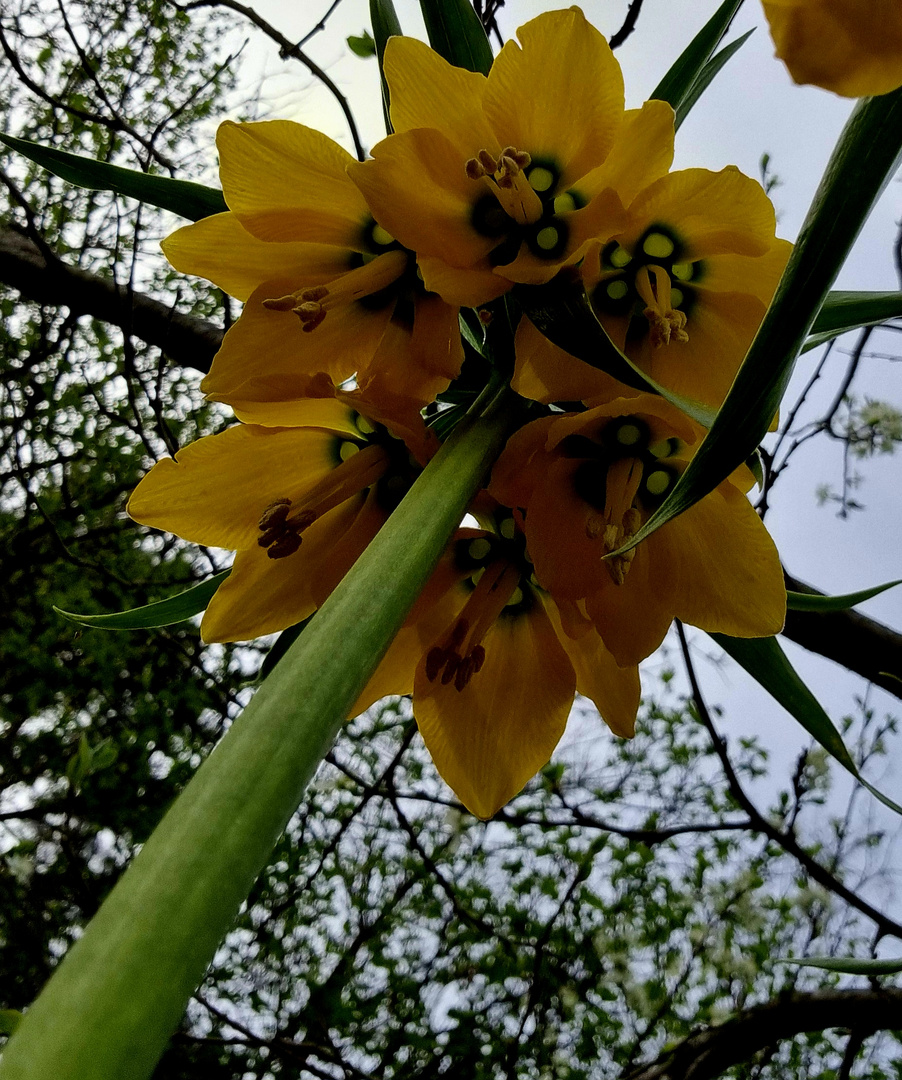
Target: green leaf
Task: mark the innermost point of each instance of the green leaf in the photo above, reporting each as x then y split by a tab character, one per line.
455	32
385	25
844	311
162	613
706	76
183	197
564	315
362	45
848	965
766	662
865	158
678	85
813	601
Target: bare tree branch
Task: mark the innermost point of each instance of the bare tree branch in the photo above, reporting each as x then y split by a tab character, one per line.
708	1053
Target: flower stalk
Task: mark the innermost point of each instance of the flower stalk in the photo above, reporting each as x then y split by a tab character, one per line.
111	1006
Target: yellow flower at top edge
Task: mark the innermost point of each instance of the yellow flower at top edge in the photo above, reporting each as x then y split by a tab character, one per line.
585	484
298	502
326	288
852	47
505	178
493	663
681	288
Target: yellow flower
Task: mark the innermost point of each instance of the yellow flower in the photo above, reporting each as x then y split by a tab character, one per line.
505	178
853	47
586	482
493	664
298	503
326	288
681	288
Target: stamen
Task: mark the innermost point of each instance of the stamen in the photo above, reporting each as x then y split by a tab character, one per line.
461	655
281	533
664	320
619	520
513	189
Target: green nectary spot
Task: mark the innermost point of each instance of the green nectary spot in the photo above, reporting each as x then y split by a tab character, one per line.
347	450
616	290
479	548
489	218
476	575
541	179
364	425
381	237
507	528
516	597
566	203
676	297
658	245
664	448
657	482
619	257
684	271
547	238
628	434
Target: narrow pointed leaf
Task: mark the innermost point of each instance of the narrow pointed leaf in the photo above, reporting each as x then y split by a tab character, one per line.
385	25
813	601
162	613
863	162
564	315
677	85
768	665
455	32
706	76
847	965
183	197
844	311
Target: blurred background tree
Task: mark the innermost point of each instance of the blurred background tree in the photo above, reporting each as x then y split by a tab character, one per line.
621	918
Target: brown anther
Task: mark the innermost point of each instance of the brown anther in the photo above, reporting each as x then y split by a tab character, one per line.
477	658
435	661
281	303
519	157
311	315
317	292
485	316
287	544
475	169
487	161
451	665
274	514
594	526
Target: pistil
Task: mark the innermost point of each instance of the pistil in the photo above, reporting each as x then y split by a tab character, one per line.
311	304
666	322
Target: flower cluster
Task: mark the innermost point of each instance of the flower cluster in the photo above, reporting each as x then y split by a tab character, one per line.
354	276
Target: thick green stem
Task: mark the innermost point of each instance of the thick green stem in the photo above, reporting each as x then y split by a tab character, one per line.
108	1011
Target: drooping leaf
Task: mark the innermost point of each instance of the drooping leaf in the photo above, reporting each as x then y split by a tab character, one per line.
362	45
803	601
768	665
385	25
677	85
844	311
706	76
456	33
848	965
175	609
865	158
183	197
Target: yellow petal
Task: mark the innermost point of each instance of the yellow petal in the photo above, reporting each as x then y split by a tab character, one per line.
417	185
287	182
853	47
216	489
741	274
560	96
221	250
488	739
642	152
729	578
712	213
470	287
546	373
260	596
614	690
428	92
